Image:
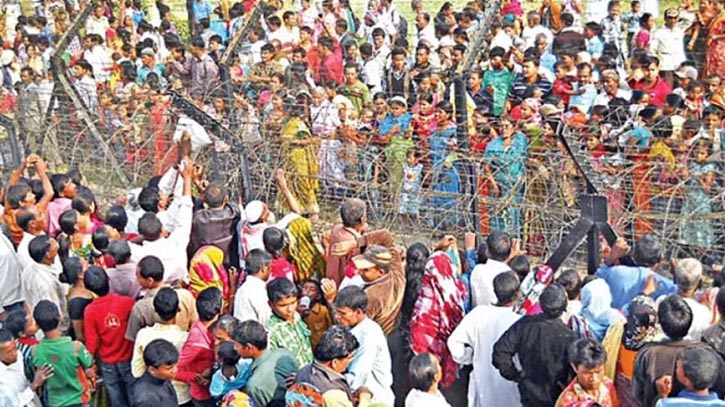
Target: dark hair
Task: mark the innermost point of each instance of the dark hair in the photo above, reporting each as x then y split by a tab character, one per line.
5	335
149	199
336	343
675	317
47	315
227	354
521	266
15	323
352	212
647	251
251	332
117	218
120	251
273	239
701	366
67	221
151	267
415	259
166	303
101	239
720	300
209	303
553	300
352	297
587	352
571	281
150	226
16	194
499	245
23	217
84	201
39	247
506	287
59	182
36	187
482	253
214	194
422	371
257	259
160	352
279	289
96	281
72	269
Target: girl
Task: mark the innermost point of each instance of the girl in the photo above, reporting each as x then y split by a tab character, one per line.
314	310
641	40
412	178
274	244
695	100
394	131
700	175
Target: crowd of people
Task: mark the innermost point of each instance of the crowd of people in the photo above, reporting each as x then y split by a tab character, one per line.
179	294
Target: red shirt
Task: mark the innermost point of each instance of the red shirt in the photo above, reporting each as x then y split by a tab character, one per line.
330	69
105	321
196	355
560	88
657	92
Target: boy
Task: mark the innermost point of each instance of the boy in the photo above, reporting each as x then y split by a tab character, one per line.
697	369
154	388
71	362
251	300
105	323
587	358
285	326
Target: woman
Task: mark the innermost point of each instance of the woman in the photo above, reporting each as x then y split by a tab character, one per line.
300	163
715	42
505	159
640	329
74	240
78	297
438	309
597	308
394	132
444	177
206	269
274	244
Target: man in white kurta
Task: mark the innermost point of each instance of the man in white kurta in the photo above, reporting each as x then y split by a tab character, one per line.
471	343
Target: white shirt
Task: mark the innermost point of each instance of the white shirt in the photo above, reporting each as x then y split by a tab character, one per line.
100	60
97	26
429	35
170	250
372	75
603	98
15	385
10	292
471	343
24	258
528	34
701	316
668	45
251	301
40	282
482	281
171	333
417	398
371	366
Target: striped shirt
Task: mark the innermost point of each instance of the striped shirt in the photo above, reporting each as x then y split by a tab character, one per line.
520	87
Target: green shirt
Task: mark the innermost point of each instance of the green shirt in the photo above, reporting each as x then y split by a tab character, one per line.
68	386
268	374
359	94
295	337
501	82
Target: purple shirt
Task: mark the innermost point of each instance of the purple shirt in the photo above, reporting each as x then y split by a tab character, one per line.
56	208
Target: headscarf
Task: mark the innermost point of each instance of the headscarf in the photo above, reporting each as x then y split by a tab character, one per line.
533	285
597	308
641	326
206	270
237	398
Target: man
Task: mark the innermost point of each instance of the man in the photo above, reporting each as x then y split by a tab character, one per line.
371	366
497	83
357	92
86	85
668	46
332	358
344	37
354	224
475	91
422	62
471	343
166	306
626	282
528	78
149	65
652	83
269	369
426	30
33	224
15	388
534	28
217	224
98	57
123	274
499	250
398	80
289	33
688	273
204	71
11	293
40	278
105	321
154	388
658	359
168	248
372	69
251	301
569	38
150	274
30	111
97	23
330	66
611	89
540	342
613	30
285	326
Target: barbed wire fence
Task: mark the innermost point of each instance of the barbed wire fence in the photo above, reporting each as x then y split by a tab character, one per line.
543	197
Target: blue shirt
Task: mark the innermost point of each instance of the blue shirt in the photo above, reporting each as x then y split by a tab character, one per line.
626	282
689	399
202	9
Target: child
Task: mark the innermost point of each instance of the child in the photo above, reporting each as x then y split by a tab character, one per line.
642	39
314	310
631	19
23	328
695	100
425	373
285	326
412	179
274	244
562	85
71	362
233	374
154	388
700	175
587	357
697	369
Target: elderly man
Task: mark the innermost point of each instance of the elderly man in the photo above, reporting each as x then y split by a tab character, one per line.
611	89
688	273
426	30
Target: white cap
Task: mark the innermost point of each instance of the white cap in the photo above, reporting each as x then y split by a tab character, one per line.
254	210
